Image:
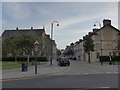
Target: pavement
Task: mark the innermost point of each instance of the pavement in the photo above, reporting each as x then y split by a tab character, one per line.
45	69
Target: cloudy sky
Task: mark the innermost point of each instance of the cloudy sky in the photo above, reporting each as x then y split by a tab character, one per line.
76	19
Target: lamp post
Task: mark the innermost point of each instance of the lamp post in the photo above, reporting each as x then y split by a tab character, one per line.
52	40
98	23
101	38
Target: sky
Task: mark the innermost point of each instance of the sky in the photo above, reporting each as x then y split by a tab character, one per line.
75	19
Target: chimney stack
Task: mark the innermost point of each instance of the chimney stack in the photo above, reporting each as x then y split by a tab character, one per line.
31	28
17	28
44	27
106	22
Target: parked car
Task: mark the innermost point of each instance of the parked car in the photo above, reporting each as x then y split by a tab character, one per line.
63	61
72	58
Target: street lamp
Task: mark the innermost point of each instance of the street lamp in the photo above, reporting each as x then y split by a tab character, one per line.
101	36
101	33
52	40
98	23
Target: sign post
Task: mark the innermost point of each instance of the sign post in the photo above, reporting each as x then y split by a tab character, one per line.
36	48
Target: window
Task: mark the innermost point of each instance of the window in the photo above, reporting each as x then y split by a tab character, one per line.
97	46
97	37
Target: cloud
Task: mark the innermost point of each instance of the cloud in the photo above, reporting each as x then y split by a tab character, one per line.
74	34
75	20
16	11
67	22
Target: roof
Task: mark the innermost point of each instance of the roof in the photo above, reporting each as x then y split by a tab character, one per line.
37	32
110	26
93	33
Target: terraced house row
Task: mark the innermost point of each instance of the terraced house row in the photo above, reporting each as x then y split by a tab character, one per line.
40	35
106	42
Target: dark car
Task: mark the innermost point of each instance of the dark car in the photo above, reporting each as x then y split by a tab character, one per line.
63	61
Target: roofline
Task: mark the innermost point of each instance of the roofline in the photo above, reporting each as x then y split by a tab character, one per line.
23	29
110	26
99	30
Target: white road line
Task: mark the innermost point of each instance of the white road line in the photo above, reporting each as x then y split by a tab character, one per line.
85	73
99	73
108	72
115	72
102	87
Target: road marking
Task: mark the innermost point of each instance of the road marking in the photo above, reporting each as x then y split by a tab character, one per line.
103	87
85	73
115	72
108	72
32	77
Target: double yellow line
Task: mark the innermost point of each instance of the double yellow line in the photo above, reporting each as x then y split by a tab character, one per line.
32	77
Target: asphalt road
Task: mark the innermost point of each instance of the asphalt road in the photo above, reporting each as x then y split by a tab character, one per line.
79	75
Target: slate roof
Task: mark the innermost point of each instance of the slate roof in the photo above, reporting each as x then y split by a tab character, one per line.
37	32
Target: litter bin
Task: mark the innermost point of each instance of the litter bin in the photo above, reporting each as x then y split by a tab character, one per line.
24	66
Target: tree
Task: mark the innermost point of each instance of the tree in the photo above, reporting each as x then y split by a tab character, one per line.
88	46
69	52
42	45
25	43
18	43
58	52
9	45
118	46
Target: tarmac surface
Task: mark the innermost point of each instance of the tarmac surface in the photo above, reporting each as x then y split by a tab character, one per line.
80	74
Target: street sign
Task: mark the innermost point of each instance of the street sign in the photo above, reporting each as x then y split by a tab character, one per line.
36	48
36	45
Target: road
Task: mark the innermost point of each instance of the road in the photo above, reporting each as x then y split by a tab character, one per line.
78	75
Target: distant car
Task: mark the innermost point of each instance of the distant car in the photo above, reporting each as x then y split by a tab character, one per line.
63	61
72	58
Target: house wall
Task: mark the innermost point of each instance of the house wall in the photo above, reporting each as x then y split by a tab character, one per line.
107	40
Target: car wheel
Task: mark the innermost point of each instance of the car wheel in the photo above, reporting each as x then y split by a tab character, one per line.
59	64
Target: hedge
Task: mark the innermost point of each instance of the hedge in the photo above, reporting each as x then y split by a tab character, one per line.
21	58
107	58
8	58
117	58
33	58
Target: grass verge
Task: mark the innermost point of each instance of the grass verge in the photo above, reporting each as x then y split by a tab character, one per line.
14	64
